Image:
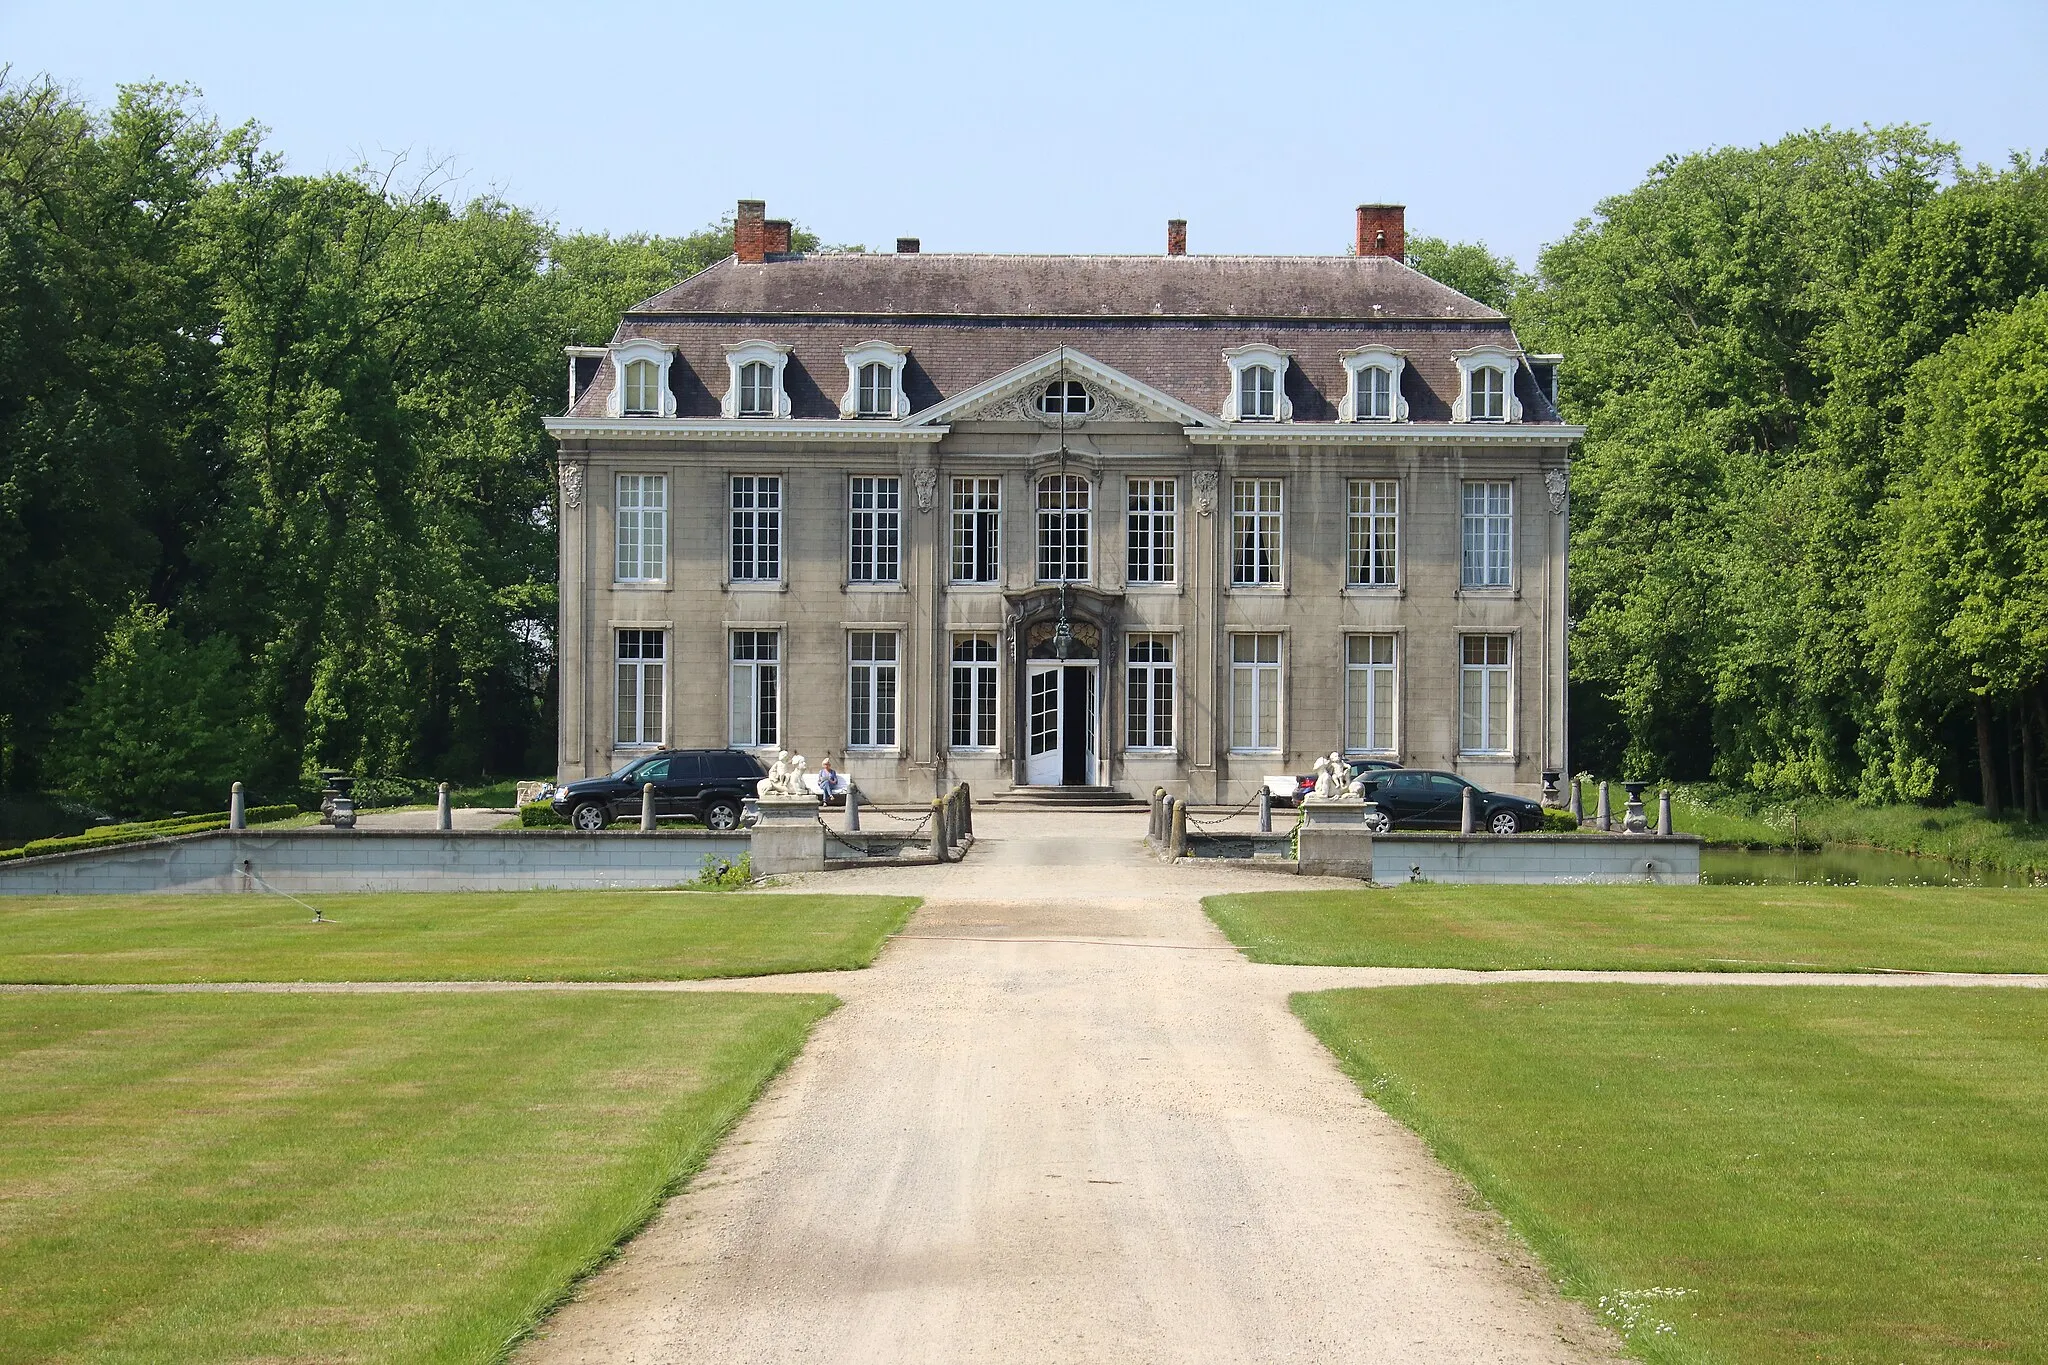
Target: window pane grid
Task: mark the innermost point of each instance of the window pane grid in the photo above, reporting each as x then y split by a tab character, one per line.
756	676
1488	540
642	522
756	527
639	672
757	389
877	395
875	529
1369	694
1483	695
643	389
1376	393
1148	693
1255	692
1371	548
1256	392
871	690
977	512
974	692
1255	532
1489	394
1151	530
1064	520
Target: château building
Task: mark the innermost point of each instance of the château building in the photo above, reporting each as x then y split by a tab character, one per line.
1114	521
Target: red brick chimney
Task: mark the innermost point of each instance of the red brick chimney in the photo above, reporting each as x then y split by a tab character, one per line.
775	236
749	233
1382	230
1176	236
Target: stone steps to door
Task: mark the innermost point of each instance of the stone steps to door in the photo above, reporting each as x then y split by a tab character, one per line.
1061	798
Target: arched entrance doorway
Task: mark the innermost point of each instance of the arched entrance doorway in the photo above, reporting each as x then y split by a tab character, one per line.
1062	697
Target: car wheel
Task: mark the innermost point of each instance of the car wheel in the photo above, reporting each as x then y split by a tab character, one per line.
1376	822
721	815
589	817
1505	822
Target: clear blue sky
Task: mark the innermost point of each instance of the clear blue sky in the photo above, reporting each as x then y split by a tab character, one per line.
1058	126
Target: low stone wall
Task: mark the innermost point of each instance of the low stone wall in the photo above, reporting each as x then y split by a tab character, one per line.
1669	858
310	860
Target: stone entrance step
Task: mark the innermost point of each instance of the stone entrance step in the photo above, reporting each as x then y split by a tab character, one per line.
1061	798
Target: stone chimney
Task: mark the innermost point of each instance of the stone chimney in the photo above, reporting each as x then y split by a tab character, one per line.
775	237
1176	236
750	233
1382	230
906	246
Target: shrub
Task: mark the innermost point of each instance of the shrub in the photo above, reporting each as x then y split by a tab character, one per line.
145	829
539	815
721	875
1557	821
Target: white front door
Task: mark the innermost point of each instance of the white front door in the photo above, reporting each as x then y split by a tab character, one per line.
1059	724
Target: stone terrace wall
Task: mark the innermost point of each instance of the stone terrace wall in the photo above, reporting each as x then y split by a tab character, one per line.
1673	858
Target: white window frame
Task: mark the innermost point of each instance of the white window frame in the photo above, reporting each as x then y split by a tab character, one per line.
894	406
640	526
981	675
775	356
1486	687
1257	543
977	529
1071	391
764	522
874	529
646	689
1073	528
1486	534
628	353
1368	683
761	689
1372	533
1257	679
1358	363
867	712
1487	358
1243	358
1151	532
1144	679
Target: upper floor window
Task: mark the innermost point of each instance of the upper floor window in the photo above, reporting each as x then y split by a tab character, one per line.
1067	396
877	394
1489	536
1255	393
1373	387
642	388
875	511
1255	532
874	381
1489	394
755	374
1258	384
1150	531
757	390
1372	550
756	528
977	530
1487	388
1065	517
641	508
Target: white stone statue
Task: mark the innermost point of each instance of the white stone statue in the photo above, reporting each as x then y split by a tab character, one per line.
1332	778
779	780
795	778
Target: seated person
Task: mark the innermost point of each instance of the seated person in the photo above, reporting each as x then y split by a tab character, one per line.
830	783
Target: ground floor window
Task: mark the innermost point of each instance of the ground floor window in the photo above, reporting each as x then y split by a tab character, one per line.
641	656
756	688
1255	692
871	690
974	691
1369	694
1148	693
1483	695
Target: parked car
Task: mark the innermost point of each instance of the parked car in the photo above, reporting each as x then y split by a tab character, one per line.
708	785
1306	785
1419	799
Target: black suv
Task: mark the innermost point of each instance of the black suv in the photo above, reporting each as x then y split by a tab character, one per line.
1410	799
700	784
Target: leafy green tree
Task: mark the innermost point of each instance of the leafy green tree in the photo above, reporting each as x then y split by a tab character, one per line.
1469	268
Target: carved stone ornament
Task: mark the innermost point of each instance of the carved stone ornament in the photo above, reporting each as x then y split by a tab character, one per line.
572	486
1022	406
926	482
1205	491
1554	480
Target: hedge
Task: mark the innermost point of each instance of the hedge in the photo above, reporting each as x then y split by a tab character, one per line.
539	815
145	829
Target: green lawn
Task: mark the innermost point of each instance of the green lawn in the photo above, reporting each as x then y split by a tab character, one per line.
1665	928
1726	815
530	936
1743	1174
345	1178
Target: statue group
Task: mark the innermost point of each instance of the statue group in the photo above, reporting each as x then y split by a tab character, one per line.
785	776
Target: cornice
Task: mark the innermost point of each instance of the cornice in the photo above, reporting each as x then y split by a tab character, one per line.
1387	434
713	429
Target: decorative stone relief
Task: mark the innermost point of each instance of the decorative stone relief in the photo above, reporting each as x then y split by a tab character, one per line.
1022	406
572	486
926	482
1205	491
1555	481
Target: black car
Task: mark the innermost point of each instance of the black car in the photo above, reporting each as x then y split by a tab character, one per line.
699	784
1411	799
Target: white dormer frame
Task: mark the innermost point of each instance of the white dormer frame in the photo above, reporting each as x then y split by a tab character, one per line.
1502	358
1242	358
624	354
773	354
875	353
1360	359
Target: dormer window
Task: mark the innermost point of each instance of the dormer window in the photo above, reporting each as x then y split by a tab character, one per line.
641	390
1487	393
1258	385
874	381
755	387
1065	396
1374	391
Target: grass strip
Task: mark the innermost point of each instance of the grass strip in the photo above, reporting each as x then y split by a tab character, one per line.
1742	1174
467	936
1961	833
412	1178
1646	928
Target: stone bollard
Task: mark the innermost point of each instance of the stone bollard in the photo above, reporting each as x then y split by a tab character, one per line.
966	811
647	808
1157	830
1177	835
1578	806
941	839
853	810
444	814
1466	823
1664	811
238	814
1265	810
1603	814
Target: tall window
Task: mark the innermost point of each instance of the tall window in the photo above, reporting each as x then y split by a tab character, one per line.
1375	394
877	395
643	528
1255	691
1063	526
1489	394
1483	695
875	522
1148	693
1256	393
974	691
756	688
871	690
1489	535
641	655
643	389
1151	531
1254	532
977	527
757	389
1369	694
1371	542
756	528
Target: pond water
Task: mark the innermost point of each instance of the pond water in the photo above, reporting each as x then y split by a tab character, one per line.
1842	865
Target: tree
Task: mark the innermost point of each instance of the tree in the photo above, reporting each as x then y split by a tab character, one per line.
1467	267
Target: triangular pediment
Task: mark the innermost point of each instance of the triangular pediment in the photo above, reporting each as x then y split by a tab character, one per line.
1114	396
